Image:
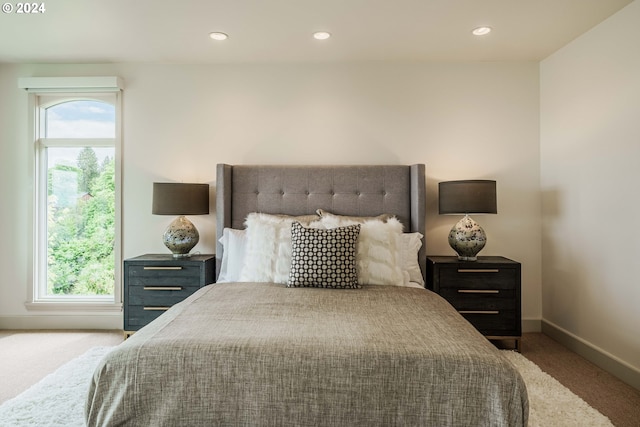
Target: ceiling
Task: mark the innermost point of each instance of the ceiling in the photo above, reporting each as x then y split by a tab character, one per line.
96	31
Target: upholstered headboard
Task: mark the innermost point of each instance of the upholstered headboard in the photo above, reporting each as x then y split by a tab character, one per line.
299	190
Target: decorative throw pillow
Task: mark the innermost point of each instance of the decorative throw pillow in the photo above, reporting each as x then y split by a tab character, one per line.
378	256
323	258
268	252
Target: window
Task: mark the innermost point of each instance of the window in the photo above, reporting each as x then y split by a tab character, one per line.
76	256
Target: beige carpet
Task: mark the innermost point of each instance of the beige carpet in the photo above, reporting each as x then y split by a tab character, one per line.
612	397
28	356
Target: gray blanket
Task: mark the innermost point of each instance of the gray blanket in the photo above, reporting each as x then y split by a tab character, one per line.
256	354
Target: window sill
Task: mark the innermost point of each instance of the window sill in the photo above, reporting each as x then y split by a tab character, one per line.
74	306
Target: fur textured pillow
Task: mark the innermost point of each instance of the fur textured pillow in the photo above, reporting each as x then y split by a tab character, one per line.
378	256
323	258
268	248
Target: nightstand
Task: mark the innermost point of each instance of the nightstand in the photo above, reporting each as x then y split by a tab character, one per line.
155	282
486	292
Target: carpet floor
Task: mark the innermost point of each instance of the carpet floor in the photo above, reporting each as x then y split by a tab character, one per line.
616	399
58	400
27	356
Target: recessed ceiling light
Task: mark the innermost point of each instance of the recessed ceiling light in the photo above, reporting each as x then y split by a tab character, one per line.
481	31
321	35
218	36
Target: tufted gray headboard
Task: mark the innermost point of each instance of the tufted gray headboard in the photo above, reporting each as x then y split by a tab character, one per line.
299	190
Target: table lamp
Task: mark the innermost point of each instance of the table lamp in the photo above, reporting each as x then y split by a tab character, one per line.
467	238
180	199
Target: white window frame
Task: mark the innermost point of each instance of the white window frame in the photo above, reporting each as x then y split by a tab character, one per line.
43	93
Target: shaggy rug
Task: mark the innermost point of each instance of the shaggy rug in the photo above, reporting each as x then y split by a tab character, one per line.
551	403
58	400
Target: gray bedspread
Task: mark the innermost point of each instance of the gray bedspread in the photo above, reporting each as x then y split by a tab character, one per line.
256	354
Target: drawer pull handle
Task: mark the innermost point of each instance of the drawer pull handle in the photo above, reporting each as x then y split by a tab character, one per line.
156	308
478	270
478	312
478	291
161	268
162	288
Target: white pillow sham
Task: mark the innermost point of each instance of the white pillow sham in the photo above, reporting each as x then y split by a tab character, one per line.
235	247
411	244
359	219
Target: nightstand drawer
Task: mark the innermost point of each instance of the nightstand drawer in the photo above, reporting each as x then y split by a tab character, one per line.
168	281
481	299
158	294
139	316
478	278
493	323
164	272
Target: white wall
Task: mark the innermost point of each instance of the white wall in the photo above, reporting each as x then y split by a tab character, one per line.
465	121
590	148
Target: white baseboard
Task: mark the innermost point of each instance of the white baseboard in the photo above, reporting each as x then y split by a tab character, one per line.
531	325
64	321
596	355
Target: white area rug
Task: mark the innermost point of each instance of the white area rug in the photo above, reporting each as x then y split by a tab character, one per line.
550	403
58	400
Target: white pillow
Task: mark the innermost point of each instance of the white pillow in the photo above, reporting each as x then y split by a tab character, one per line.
378	255
268	252
410	245
235	243
359	219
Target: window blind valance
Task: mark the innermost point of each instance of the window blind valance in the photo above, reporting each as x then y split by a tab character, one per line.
75	84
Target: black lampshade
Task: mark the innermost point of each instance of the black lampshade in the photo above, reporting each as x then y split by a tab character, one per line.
170	198
467	197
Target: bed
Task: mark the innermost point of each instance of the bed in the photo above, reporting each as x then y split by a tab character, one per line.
375	350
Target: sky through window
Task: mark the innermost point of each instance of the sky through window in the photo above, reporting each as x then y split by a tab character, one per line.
80	119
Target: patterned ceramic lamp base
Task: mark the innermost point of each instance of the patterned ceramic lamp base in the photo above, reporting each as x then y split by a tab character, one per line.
180	237
467	238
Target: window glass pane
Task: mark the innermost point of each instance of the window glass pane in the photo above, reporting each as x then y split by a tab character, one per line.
80	119
80	220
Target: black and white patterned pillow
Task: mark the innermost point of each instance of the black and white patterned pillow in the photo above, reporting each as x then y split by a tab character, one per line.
323	258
